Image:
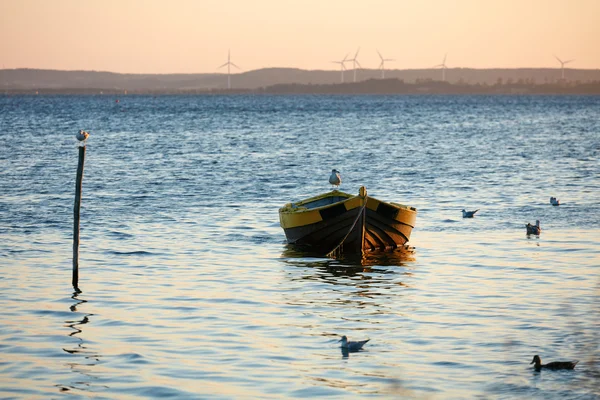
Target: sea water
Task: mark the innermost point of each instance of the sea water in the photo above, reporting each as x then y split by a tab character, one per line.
189	290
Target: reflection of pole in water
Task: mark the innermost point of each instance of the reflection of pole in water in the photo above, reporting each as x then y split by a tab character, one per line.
76	324
80	349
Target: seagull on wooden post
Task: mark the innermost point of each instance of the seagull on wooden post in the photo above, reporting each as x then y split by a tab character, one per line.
82	136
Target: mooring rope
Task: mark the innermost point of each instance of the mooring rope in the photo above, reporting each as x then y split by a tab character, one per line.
360	213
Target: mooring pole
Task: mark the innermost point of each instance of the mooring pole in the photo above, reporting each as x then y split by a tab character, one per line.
76	217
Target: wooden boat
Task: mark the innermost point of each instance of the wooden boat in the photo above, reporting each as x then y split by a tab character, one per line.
336	222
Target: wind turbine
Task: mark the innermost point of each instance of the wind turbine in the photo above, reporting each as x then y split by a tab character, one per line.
443	66
382	65
342	65
229	64
562	65
355	63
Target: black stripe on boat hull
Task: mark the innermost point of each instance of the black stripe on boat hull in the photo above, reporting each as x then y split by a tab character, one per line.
324	236
332	212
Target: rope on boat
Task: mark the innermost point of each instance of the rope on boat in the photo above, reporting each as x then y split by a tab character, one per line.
333	253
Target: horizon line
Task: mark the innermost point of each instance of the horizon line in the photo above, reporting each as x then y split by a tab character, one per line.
294	68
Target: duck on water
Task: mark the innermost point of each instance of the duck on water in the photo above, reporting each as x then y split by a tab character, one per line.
469	214
556	365
533	229
352	346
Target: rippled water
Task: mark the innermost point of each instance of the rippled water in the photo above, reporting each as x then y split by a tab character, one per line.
189	290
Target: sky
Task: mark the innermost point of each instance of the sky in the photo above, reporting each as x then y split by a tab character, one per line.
194	36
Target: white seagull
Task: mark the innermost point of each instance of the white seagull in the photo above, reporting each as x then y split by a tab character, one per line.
554	201
82	136
469	214
533	229
352	346
335	179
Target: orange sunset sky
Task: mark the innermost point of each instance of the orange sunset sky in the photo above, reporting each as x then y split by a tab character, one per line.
187	36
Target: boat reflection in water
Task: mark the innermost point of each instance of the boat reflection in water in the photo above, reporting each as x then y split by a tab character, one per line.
352	295
351	264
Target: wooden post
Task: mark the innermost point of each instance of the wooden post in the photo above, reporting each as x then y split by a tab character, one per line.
76	217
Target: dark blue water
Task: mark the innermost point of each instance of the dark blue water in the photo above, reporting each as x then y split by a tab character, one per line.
189	290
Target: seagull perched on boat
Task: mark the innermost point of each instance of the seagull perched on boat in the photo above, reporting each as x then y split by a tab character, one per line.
352	346
82	136
469	214
335	178
553	365
533	229
554	201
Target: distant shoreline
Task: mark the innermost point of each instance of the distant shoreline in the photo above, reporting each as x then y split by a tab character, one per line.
368	87
297	81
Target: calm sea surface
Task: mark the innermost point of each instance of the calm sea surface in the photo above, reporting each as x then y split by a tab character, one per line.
188	289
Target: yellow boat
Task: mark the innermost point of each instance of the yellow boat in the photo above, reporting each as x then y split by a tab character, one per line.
336	222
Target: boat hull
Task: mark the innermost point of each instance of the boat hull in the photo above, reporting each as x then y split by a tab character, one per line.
348	224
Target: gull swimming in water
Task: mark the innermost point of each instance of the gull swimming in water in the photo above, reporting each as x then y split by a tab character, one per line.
554	201
82	136
553	365
469	214
352	347
533	229
335	179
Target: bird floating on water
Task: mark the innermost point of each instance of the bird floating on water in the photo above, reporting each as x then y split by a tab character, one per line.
82	136
335	178
469	214
553	365
533	229
554	201
352	346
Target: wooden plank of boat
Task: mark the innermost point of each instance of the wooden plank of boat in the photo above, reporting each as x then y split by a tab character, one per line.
345	223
